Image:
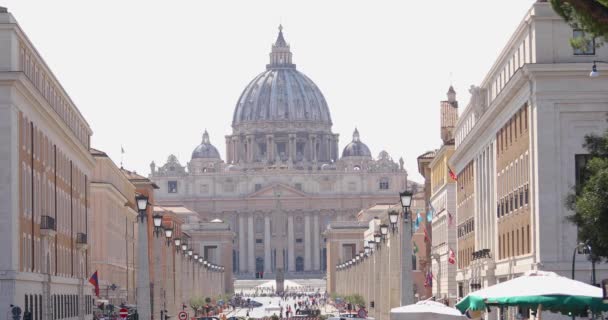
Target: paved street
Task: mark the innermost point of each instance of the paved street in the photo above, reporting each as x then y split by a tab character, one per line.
269	307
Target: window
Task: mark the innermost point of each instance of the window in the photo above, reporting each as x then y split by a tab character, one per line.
299	240
384	184
352	186
172	186
298	186
204	189
258	187
259	241
583	45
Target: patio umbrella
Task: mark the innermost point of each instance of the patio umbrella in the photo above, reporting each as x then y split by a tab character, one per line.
538	289
426	310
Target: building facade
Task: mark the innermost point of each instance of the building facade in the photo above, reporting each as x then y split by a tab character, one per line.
443	206
113	239
283	180
45	195
518	147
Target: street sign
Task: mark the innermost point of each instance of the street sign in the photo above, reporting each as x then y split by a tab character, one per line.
182	316
123	313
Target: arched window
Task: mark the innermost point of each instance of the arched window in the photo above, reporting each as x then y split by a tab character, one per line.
299	264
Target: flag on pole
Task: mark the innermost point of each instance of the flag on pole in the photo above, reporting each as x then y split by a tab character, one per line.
450	219
417	222
452	174
429	214
415	247
95	282
426	236
451	256
428	280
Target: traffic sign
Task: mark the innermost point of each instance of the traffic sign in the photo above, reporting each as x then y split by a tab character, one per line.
182	316
123	313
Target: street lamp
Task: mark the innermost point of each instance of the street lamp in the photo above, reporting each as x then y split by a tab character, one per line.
143	274
384	231
407	287
393	217
168	235
190	252
196	256
406	202
177	242
377	238
158	221
367	250
594	73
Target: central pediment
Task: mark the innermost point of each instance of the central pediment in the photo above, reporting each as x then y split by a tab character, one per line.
277	190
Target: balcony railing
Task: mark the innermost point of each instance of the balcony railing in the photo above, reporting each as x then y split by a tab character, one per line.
47	223
81	238
481	254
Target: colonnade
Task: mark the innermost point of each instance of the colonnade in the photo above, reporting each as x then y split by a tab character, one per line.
375	276
310	239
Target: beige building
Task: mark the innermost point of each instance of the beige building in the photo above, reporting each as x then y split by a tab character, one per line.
443	206
519	151
283	180
46	168
113	239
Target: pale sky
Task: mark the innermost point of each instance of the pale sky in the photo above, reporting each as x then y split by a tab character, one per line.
153	75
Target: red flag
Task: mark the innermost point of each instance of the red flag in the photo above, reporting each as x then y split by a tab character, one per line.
451	256
426	236
95	282
452	174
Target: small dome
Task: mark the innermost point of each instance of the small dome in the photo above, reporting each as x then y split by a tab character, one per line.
216	221
356	148
205	150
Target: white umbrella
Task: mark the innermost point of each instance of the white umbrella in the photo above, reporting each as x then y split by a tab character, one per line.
426	310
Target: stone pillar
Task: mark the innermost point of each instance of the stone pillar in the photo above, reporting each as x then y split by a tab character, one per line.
143	272
156	242
267	258
269	148
316	248
228	149
307	243
250	244
250	148
291	259
242	256
292	146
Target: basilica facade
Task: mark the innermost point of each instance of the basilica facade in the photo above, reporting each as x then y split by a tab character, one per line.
283	180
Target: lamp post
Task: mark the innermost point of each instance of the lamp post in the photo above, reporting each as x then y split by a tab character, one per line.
168	235
157	302
594	73
143	272
584	248
407	288
384	231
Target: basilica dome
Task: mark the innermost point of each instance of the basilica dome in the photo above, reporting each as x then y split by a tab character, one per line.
281	93
205	150
356	148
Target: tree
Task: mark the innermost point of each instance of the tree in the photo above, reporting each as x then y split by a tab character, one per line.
591	16
589	200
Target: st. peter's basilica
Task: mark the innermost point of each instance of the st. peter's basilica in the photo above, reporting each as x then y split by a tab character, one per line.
283	179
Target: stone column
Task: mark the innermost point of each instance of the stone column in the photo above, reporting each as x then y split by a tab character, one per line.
316	248
242	256
228	150
250	244
235	149
291	259
143	271
250	148
292	146
156	242
307	243
267	259
269	148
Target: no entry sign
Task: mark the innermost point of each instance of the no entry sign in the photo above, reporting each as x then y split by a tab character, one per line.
182	316
123	313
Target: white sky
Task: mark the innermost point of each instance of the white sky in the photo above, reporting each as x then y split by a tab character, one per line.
152	75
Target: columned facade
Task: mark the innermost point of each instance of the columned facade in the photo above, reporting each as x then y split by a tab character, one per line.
283	180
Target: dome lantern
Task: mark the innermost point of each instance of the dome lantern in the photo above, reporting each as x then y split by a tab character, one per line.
280	54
